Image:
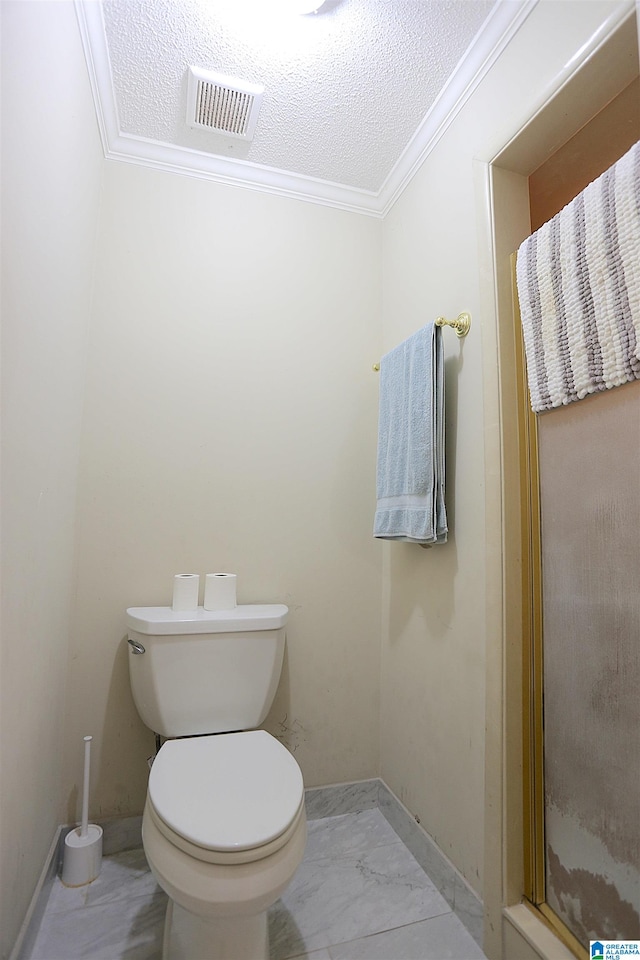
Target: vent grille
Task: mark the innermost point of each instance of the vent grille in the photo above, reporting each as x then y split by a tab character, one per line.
222	104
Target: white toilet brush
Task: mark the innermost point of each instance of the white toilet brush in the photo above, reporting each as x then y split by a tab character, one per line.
83	845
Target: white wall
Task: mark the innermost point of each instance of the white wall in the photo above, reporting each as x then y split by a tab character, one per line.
230	424
442	641
51	167
432	719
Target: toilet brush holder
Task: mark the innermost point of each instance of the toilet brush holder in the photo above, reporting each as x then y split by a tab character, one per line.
83	845
82	856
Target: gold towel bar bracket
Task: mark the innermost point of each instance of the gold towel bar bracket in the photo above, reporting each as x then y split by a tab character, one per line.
461	325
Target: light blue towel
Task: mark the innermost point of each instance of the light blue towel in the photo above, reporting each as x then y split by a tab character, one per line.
410	476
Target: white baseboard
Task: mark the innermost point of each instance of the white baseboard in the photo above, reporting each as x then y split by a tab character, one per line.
31	923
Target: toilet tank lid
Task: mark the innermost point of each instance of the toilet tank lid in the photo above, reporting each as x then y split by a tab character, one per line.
164	621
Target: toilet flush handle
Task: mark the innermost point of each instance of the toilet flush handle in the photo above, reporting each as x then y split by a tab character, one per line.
135	646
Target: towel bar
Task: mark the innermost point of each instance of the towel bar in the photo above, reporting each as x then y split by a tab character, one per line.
461	325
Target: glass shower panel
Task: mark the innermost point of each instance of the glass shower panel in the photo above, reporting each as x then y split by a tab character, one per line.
590	503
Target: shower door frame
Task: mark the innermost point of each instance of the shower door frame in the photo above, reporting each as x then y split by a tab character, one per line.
533	652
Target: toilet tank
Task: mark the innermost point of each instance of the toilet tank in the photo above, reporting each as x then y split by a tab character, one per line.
205	671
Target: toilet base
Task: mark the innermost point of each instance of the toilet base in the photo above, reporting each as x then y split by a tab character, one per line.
219	911
187	936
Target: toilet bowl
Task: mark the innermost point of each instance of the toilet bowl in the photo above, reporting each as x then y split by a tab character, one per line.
224	830
224	826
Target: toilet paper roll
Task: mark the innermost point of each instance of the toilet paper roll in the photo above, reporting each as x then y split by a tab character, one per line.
220	591
185	591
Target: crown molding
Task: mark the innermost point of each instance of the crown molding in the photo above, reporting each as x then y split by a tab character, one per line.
503	22
240	173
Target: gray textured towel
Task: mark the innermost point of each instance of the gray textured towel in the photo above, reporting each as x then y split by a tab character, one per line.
579	291
411	468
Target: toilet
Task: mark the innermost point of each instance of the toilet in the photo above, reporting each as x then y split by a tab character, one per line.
224	826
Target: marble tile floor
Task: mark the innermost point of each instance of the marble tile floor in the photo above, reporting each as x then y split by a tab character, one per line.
358	895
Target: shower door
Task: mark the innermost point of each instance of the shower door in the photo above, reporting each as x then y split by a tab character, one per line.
589	461
581	577
581	592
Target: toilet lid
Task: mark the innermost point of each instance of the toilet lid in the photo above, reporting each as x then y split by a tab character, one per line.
233	791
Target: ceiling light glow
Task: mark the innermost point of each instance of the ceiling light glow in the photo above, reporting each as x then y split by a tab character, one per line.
265	11
301	6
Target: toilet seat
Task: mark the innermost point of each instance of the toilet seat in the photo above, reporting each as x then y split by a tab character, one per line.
223	857
227	798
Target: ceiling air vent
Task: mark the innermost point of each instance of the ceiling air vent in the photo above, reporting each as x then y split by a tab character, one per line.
222	104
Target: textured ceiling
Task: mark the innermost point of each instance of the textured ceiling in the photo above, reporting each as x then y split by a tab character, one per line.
345	88
355	95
